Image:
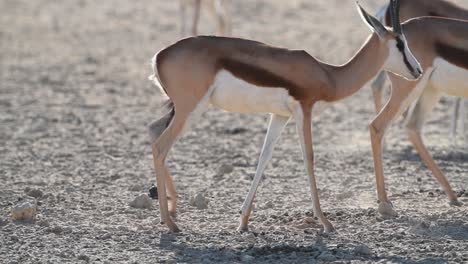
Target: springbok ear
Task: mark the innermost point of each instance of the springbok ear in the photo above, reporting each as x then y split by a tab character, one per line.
373	23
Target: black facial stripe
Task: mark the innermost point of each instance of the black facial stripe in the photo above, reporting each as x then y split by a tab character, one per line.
401	47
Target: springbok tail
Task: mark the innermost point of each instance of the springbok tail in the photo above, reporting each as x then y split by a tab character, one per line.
156	128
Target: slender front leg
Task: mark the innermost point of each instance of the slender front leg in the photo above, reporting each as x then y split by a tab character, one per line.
414	125
378	86
276	126
303	117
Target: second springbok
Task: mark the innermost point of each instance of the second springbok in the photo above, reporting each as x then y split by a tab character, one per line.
441	45
246	76
419	8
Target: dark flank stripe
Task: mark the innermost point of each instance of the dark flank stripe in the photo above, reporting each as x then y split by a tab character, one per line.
435	14
257	76
454	55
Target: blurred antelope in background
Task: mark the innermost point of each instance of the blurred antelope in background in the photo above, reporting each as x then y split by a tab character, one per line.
216	9
441	46
419	8
240	75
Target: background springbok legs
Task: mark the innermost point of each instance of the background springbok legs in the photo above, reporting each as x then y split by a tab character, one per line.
216	9
403	94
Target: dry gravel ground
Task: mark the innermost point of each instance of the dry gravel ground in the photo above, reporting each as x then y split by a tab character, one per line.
74	106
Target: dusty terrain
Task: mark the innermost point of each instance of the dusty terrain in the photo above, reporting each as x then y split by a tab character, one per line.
74	107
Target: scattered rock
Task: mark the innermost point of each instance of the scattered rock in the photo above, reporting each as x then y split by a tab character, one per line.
83	257
55	229
247	258
70	189
326	256
43	223
106	236
269	205
199	201
36	193
225	169
24	211
142	201
362	250
3	222
235	131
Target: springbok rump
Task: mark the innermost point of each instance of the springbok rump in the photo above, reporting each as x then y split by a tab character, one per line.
215	8
240	75
441	46
419	8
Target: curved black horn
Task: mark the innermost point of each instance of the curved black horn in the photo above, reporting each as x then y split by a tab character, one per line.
395	14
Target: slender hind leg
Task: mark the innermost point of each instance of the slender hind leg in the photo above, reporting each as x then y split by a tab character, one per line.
414	125
302	116
155	131
160	150
172	193
183	114
276	126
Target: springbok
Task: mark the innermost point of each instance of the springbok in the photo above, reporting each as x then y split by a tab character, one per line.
215	7
441	46
246	76
419	8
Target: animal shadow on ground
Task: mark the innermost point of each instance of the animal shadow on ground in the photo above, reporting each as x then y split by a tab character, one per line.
286	253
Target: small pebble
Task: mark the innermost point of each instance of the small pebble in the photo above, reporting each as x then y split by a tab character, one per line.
142	201
326	256
24	211
83	257
269	205
36	193
43	223
55	229
3	222
225	169
199	201
247	258
362	250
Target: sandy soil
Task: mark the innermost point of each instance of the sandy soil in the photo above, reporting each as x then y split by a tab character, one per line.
74	106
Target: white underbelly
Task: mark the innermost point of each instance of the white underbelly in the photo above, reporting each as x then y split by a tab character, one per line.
450	79
236	95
